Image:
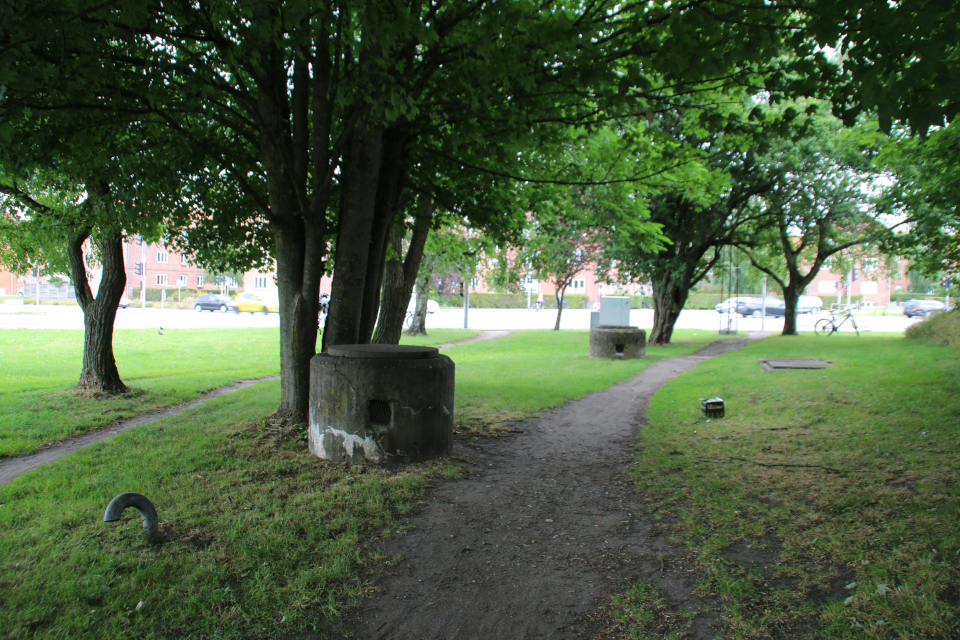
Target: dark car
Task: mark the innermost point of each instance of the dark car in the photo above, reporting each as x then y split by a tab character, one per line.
923	308
754	307
212	302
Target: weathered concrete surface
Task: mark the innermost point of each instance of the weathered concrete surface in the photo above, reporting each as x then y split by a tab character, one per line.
611	341
380	403
782	364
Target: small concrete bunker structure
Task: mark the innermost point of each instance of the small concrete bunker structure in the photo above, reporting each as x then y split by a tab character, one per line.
378	403
617	342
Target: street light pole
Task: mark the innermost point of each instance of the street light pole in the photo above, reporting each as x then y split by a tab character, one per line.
143	274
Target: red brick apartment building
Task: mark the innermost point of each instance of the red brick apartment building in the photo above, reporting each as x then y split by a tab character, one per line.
873	286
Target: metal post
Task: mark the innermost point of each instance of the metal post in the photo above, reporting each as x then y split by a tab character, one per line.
143	275
849	286
466	301
763	304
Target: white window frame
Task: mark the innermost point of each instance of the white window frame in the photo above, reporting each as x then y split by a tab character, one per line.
163	257
162	279
184	259
200	280
260	282
182	280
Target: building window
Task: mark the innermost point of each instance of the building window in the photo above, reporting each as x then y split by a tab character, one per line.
163	257
162	279
474	283
182	280
184	259
827	286
260	282
231	282
199	281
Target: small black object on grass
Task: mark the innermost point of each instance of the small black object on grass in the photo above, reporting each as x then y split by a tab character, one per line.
151	525
712	407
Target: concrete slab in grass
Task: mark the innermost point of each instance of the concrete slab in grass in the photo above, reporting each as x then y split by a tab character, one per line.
783	364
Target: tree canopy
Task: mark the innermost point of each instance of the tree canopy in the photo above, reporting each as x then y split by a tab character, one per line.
308	113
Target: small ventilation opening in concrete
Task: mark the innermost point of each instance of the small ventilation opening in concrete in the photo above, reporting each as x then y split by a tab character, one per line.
621	348
380	412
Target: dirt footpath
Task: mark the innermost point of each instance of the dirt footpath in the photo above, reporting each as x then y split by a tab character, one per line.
544	527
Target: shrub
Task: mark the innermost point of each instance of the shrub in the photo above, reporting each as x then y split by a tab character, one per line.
940	328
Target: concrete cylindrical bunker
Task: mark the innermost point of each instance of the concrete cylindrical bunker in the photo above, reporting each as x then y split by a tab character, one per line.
381	402
612	341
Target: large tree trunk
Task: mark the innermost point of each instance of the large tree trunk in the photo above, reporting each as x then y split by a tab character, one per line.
360	180
298	225
791	295
300	254
99	371
669	299
399	279
390	186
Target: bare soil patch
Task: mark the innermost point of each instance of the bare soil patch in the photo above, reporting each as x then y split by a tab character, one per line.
543	529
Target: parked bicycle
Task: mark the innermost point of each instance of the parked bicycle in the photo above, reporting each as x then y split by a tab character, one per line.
829	326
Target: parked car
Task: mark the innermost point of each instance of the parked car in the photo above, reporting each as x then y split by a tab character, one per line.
253	303
212	302
912	308
432	305
755	306
809	304
730	304
124	302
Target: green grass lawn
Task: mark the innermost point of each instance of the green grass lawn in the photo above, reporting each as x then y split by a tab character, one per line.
261	538
436	337
38	404
843	479
41	367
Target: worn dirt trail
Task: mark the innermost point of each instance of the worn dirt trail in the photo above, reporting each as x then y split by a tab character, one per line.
544	527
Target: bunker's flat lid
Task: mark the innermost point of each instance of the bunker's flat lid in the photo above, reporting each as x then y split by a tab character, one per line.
616	327
383	351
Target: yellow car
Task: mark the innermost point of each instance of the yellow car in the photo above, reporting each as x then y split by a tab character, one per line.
254	302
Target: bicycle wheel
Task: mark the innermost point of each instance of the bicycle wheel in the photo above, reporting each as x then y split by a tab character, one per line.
824	327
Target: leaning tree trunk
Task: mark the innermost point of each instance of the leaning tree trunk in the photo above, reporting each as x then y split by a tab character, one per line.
398	281
99	373
418	326
791	295
668	301
559	296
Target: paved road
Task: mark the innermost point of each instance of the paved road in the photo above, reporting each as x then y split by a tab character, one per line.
69	317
